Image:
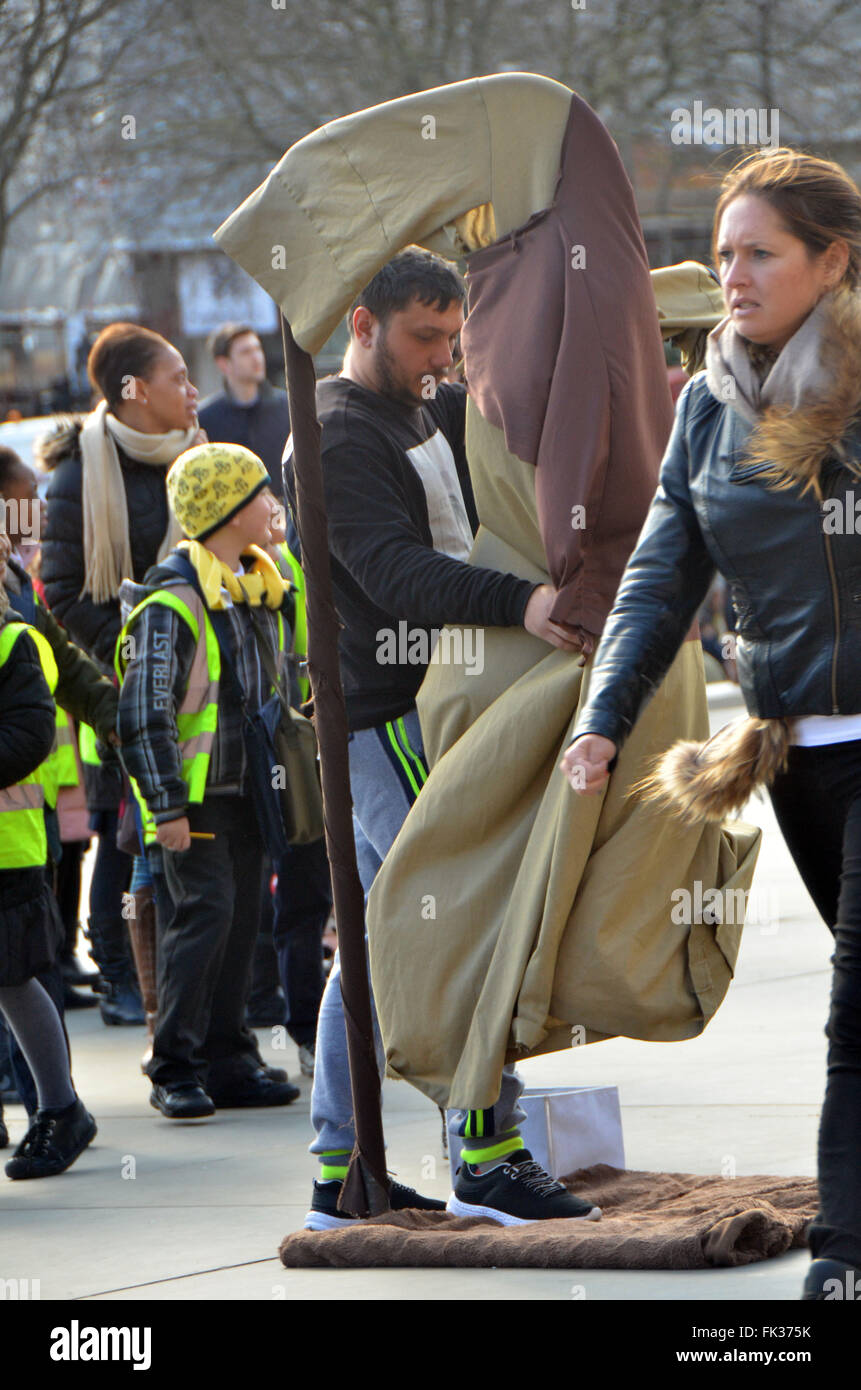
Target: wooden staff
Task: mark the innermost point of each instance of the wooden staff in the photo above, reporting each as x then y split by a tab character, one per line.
365	1191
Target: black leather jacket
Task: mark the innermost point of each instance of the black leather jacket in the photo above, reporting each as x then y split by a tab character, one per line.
796	589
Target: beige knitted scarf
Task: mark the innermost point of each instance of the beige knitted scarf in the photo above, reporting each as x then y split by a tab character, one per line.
107	546
749	383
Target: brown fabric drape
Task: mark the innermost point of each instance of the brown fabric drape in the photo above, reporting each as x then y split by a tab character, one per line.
578	388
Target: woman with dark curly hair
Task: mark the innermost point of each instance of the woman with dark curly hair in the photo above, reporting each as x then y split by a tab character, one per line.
108	520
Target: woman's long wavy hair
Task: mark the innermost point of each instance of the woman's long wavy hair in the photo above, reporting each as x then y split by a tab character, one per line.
817	200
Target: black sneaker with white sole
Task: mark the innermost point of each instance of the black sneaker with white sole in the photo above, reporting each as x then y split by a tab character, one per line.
516	1193
325	1216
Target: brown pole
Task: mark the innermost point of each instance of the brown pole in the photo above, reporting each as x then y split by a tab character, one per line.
365	1191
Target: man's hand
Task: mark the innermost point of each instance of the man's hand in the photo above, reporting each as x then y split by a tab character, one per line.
537	620
200	438
585	762
174	834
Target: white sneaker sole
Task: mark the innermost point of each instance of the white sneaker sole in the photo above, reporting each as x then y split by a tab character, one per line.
504	1218
321	1221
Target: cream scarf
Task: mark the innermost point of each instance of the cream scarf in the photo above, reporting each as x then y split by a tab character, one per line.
107	547
796	377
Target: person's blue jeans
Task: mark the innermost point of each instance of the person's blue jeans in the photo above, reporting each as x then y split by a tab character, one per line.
387	770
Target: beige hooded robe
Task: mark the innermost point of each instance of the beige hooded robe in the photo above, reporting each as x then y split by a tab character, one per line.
512	916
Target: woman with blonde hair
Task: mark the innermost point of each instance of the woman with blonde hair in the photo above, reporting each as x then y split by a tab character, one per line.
765	448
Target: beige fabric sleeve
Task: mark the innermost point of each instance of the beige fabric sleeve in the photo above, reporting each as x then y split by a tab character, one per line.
346	198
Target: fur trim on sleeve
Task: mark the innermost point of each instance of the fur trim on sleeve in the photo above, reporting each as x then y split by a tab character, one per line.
708	781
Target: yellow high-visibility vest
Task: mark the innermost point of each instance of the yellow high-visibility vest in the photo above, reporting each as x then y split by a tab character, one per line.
197	716
65	762
87	745
293	570
23	843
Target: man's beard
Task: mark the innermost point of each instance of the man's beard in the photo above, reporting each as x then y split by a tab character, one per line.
389	383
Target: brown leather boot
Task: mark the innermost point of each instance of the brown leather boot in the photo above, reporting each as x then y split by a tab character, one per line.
143	938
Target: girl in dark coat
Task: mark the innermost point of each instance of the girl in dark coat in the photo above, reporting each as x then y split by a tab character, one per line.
30	930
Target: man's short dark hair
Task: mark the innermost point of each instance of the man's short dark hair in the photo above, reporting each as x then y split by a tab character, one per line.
220	340
411	274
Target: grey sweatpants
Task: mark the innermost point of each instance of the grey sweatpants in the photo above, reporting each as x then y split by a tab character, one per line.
387	771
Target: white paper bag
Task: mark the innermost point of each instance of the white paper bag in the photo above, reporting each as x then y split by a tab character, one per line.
566	1128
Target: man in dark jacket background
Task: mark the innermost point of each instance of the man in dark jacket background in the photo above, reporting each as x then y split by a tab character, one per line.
248	411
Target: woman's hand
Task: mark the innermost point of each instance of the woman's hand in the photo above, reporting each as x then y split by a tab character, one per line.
585	762
174	834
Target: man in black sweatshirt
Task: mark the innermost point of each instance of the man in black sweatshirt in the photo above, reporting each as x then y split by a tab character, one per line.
401	522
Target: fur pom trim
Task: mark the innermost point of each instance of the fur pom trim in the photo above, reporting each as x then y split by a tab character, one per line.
794	444
54	446
708	781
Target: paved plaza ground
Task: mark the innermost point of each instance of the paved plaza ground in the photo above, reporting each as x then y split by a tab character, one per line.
157	1210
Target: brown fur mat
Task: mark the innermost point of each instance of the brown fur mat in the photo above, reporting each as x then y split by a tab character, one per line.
650	1221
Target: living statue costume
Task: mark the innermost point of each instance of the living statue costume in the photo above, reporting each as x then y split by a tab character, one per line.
511	911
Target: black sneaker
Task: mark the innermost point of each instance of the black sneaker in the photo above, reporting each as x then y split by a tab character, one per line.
516	1193
325	1216
53	1142
120	1004
257	1089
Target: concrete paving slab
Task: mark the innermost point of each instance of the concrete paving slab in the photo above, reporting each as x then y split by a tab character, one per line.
270	1281
158	1211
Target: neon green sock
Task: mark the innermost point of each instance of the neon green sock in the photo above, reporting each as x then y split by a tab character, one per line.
501	1150
334	1171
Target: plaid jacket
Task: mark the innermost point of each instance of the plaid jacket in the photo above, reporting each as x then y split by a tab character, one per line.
156	676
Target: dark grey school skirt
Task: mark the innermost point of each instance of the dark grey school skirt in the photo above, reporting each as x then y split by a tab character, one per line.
31	930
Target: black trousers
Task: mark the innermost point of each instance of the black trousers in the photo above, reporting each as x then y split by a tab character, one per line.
818	806
207	913
303	901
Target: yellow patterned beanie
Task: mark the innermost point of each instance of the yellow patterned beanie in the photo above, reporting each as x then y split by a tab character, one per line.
209	484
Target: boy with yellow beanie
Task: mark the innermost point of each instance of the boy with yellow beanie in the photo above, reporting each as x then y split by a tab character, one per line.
192	661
